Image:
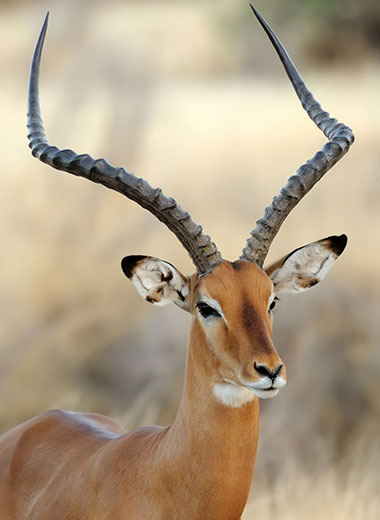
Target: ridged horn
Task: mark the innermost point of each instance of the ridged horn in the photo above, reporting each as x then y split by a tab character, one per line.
201	249
340	139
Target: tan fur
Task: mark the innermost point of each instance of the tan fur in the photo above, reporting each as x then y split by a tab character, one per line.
73	466
64	466
70	466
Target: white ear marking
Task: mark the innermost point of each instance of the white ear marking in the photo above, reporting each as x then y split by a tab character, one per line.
307	266
158	282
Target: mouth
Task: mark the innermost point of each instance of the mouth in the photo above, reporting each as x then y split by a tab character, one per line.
265	389
265	393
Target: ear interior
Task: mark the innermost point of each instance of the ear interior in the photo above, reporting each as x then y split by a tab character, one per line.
157	281
306	266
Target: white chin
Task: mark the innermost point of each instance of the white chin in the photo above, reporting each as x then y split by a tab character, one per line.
265	394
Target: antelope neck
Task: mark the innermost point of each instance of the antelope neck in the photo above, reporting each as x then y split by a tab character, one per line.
213	445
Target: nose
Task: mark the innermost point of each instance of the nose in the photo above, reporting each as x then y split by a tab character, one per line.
264	370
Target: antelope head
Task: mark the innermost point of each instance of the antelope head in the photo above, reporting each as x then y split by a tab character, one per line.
231	302
232	305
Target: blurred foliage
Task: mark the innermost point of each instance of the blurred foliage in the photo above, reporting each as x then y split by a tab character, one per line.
331	30
342	27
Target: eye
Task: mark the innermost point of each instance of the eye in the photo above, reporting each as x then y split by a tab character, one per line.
206	311
273	304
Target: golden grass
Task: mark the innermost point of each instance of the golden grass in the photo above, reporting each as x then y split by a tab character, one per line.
344	490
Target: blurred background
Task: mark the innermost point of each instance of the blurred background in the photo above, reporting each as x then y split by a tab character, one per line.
190	95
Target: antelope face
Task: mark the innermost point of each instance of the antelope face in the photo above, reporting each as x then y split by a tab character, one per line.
233	305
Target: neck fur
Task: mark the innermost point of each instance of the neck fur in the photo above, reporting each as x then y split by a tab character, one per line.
214	445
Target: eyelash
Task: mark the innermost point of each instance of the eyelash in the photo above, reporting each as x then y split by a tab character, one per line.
206	311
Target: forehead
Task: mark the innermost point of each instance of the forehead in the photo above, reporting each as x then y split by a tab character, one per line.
231	279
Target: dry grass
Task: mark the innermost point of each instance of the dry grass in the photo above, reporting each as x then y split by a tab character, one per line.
74	333
347	492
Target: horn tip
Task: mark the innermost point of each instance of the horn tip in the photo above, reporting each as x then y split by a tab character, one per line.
256	12
45	24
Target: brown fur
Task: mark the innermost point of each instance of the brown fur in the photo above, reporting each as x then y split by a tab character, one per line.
70	466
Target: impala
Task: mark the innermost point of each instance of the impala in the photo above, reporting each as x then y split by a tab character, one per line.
65	465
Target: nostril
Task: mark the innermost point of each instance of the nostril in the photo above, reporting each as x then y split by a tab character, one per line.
277	370
266	371
263	370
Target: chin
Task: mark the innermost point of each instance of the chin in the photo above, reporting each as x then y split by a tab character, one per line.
266	394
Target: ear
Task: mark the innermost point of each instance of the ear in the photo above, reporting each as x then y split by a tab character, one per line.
306	266
157	281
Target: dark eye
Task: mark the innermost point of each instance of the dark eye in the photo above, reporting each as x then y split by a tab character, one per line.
273	305
207	311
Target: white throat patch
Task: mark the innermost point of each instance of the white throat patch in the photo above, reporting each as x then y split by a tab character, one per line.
231	395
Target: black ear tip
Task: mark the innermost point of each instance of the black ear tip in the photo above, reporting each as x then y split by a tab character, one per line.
338	244
129	263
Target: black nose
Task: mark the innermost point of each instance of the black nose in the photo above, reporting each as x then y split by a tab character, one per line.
265	371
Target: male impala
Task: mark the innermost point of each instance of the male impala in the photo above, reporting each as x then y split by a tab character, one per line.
66	465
